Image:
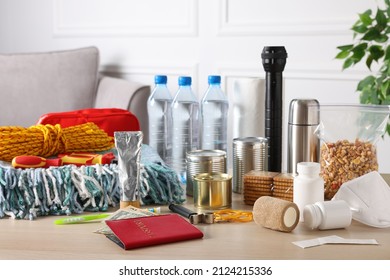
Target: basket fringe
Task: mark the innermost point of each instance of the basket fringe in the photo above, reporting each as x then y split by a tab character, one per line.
65	190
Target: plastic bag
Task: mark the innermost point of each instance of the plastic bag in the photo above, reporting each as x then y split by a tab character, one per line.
348	135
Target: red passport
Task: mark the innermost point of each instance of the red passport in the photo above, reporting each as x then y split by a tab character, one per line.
152	230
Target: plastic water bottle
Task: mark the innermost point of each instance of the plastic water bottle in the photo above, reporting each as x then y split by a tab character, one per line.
159	113
185	126
214	109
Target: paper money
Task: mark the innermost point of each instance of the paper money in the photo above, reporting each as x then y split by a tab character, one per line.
124	213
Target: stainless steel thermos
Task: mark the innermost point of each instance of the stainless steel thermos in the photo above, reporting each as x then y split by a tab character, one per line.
303	143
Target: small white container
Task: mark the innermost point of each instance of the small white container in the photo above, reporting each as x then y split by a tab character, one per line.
327	215
308	185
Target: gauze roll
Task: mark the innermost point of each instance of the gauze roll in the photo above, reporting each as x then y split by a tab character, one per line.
368	196
275	213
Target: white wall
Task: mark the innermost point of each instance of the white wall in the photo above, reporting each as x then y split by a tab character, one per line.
139	39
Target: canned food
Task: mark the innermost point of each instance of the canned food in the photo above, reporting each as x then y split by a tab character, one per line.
212	191
204	161
249	153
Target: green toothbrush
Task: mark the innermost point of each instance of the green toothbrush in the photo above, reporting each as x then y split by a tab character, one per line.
80	219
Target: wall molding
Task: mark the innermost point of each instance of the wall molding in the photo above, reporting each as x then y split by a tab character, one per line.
293	72
65	25
280	26
145	72
149	69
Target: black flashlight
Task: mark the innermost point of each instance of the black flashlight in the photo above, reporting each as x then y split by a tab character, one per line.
274	60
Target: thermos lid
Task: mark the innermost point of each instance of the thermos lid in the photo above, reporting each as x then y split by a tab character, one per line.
304	112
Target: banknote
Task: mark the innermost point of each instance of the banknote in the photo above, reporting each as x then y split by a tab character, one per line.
124	213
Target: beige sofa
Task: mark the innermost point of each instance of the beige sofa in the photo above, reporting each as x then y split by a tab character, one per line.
33	84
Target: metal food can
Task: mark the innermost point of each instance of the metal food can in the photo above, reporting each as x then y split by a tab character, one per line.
212	191
249	153
204	161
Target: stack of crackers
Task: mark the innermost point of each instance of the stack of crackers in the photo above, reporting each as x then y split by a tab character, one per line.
266	183
283	186
257	184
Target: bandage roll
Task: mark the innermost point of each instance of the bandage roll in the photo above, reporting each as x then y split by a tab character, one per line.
275	213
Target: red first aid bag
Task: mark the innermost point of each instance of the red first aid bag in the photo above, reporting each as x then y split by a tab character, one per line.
108	119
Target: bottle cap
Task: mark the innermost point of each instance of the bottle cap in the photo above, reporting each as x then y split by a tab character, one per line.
312	216
308	168
160	79
184	81
214	79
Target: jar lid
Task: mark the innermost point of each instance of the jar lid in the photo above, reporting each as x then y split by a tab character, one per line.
312	216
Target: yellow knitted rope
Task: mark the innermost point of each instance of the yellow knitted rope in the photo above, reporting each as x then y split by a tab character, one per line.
49	140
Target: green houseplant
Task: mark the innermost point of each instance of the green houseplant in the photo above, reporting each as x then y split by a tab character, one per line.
370	45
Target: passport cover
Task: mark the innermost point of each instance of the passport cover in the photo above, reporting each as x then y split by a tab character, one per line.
152	230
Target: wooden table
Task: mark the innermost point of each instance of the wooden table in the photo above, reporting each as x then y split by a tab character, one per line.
41	239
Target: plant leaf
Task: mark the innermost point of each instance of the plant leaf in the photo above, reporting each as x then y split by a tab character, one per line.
369	61
345	47
375	96
387	55
387	100
366	96
361	28
388	7
385	89
381	19
371	35
343	54
365	83
365	18
358	52
376	52
381	38
348	63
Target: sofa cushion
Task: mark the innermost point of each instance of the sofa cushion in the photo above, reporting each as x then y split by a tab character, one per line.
33	84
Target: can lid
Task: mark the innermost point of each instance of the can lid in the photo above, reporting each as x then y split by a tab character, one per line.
200	155
213	176
304	112
250	141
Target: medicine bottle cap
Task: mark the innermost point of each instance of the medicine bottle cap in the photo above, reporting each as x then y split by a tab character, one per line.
312	216
308	168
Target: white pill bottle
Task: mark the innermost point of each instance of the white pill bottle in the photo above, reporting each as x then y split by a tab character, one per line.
327	215
308	186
